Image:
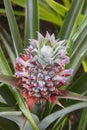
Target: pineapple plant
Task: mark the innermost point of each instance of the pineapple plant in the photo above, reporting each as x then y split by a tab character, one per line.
41	70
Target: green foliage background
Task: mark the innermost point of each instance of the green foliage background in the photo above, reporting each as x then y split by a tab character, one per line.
71	20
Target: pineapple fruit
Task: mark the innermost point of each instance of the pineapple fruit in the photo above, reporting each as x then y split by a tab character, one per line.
41	69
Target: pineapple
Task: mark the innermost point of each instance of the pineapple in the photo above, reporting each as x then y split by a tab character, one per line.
41	70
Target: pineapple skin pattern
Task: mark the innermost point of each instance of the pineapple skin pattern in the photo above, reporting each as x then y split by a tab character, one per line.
41	69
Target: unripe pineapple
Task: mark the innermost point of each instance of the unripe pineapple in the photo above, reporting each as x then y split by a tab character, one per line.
41	70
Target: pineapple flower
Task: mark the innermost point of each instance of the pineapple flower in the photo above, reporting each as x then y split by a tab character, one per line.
41	70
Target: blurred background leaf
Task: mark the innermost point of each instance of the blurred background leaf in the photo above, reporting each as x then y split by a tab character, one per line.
4	124
31	21
8	45
17	42
70	19
4	66
52	117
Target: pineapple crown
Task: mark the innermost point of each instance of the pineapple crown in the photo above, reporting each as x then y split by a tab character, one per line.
48	51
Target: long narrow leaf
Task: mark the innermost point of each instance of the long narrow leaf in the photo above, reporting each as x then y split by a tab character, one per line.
6	96
19	2
66	3
59	123
4	109
59	8
70	19
80	44
5	91
84	11
16	12
15	116
83	120
78	56
4	66
12	81
24	108
31	20
81	27
80	85
72	95
4	124
13	27
50	16
84	63
7	43
52	117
